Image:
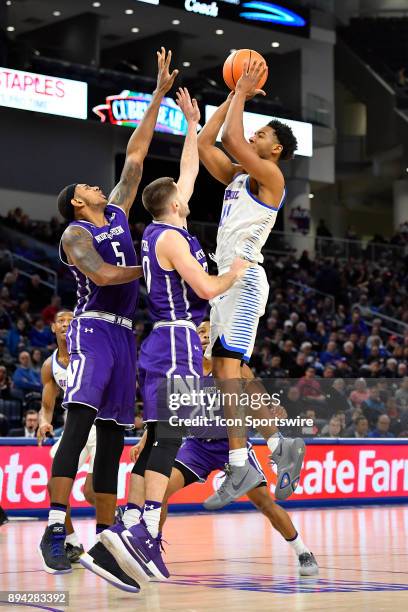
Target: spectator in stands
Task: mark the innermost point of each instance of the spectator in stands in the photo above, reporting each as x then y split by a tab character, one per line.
310	387
373	407
330	354
402	394
337	399
25	378
49	312
332	429
5	383
288	355
359	429
16	338
36	360
41	336
382	428
390	370
402	79
393	411
360	392
5	356
357	325
30	426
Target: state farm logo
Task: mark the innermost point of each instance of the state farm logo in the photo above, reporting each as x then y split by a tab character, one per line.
128	108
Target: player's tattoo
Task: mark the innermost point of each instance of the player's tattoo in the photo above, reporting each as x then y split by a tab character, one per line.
125	191
78	246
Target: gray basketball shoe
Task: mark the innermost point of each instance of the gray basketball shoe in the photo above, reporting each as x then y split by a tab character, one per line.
288	457
238	481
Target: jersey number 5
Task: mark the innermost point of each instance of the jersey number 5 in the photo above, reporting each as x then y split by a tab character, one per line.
121	261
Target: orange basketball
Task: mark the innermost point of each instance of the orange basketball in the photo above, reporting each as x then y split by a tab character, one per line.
234	65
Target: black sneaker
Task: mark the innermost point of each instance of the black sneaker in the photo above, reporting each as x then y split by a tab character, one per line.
100	561
308	565
74	552
52	550
3	517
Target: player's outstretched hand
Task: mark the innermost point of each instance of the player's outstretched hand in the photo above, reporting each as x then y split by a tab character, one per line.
42	431
165	78
251	75
188	106
239	266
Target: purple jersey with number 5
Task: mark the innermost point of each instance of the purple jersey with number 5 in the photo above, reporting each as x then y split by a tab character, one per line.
114	244
169	297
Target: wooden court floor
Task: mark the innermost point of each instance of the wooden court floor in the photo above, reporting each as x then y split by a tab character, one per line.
237	562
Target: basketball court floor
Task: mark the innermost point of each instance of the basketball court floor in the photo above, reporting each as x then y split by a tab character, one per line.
237	562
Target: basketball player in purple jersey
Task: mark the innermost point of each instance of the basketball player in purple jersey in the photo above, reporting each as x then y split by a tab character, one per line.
255	192
98	248
178	288
201	453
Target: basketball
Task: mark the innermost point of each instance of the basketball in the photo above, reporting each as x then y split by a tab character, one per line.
234	65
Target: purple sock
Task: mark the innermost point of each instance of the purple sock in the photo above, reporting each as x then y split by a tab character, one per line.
151	505
131	506
100	527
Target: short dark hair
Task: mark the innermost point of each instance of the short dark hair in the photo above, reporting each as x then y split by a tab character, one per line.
285	137
156	195
65	208
62	311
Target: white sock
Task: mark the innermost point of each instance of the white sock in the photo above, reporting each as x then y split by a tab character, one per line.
273	442
238	456
56	516
152	520
298	545
72	539
131	518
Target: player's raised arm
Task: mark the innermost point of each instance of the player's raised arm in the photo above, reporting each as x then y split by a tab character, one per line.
78	246
50	393
233	138
216	161
124	193
174	253
189	162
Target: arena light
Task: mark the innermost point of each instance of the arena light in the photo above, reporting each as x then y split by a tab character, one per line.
10	28
56	13
272	13
43	94
219	32
96	4
275	44
253	121
186	64
135	30
176	22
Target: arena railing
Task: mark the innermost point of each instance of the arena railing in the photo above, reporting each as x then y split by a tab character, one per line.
284	243
22	263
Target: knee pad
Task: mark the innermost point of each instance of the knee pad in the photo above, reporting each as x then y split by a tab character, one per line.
79	421
163	454
109	447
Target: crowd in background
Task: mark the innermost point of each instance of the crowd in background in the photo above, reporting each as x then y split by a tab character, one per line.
333	341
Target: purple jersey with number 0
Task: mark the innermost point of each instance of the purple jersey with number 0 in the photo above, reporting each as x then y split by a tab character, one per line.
169	297
114	244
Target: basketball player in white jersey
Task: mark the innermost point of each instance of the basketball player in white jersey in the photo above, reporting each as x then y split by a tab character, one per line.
255	192
54	379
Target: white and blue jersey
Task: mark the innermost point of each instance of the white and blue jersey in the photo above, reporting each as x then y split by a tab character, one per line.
244	227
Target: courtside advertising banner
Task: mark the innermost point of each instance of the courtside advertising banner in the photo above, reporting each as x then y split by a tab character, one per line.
334	472
43	94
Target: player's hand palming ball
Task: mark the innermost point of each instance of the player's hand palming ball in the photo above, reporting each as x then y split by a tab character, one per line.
234	67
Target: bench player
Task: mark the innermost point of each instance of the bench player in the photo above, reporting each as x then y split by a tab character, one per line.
98	248
254	194
198	457
54	380
178	288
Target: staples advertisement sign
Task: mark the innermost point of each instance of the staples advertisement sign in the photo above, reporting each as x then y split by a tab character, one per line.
334	472
43	94
254	121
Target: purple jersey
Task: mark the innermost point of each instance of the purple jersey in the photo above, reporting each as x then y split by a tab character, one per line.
168	295
114	244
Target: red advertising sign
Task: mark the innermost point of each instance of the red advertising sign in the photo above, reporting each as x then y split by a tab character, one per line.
331	472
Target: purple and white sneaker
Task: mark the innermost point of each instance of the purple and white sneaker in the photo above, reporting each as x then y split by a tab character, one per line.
136	551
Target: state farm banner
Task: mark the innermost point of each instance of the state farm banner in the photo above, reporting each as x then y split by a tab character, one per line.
336	471
43	94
